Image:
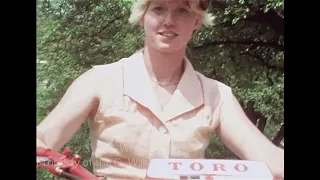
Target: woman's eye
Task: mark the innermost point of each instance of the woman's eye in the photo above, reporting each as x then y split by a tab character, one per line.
158	9
183	11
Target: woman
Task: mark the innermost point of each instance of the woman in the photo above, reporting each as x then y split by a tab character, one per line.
154	104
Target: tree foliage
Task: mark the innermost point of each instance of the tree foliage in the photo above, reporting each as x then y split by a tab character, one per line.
244	49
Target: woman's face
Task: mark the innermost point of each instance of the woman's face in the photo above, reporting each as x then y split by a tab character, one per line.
169	24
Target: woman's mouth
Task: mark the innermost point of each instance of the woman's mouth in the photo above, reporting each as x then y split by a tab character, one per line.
168	35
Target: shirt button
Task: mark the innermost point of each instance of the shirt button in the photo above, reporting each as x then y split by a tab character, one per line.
162	129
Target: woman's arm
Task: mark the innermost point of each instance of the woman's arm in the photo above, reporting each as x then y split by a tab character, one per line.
79	101
244	139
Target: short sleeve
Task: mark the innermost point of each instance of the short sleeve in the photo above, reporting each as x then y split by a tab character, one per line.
230	107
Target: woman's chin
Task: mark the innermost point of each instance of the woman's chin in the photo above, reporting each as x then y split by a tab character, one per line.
167	47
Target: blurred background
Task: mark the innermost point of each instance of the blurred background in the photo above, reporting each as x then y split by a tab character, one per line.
244	49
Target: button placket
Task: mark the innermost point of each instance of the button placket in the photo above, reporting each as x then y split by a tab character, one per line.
160	143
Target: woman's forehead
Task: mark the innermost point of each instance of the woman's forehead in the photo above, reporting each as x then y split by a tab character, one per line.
175	2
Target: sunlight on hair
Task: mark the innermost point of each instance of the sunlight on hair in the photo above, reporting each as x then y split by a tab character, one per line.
140	6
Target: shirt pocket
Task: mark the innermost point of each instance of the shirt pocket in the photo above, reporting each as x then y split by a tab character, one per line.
128	133
191	135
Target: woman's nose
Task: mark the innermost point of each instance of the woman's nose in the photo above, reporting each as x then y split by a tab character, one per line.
169	19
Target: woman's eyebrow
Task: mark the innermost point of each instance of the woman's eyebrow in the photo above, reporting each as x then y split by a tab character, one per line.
155	2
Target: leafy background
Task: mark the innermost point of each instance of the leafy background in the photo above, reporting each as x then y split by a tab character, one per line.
244	49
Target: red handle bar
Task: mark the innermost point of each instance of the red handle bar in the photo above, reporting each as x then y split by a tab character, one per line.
64	166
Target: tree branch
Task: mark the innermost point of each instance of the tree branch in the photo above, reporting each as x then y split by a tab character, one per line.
240	42
270	18
98	32
263	62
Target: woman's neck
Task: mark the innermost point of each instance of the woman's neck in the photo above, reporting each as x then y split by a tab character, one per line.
164	68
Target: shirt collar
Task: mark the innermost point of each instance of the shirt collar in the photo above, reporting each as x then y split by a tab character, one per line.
137	85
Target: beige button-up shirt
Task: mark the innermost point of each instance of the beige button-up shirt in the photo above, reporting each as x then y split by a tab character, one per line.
130	127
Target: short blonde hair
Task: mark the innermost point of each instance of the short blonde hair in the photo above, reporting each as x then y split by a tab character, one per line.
139	7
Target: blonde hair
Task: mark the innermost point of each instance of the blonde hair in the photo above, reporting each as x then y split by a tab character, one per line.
139	7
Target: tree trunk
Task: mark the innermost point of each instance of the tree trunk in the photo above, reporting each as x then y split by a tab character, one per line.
262	123
280	135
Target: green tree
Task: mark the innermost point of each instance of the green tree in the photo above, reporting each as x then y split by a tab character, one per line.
244	49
